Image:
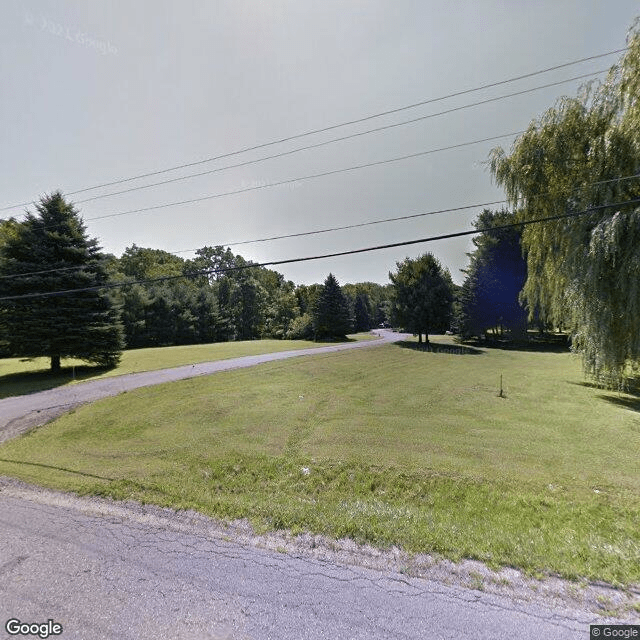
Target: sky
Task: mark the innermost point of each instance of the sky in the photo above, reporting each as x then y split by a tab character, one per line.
95	92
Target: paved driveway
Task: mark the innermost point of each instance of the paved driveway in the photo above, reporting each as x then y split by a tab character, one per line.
20	413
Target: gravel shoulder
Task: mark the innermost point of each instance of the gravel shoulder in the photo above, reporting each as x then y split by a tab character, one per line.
518	605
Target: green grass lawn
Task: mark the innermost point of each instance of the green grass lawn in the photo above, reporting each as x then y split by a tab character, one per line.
19	376
391	446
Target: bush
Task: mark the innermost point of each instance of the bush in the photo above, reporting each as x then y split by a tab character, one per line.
301	328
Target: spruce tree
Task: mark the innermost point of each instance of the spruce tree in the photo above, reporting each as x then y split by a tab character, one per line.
494	279
50	253
331	317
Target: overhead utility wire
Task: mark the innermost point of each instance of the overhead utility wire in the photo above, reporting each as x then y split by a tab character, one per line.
333	140
322	174
342	228
340	139
312	176
396	219
289	235
297	179
332	127
273	263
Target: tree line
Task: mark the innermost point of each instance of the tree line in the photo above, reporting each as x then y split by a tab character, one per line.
97	304
63	297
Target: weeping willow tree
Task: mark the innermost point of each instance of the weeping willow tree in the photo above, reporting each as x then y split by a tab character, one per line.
584	271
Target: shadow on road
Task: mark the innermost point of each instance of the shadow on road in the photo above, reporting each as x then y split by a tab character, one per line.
18	384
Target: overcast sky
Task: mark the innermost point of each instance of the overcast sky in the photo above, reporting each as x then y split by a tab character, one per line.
98	91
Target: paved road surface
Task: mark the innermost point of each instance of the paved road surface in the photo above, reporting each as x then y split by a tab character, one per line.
136	573
19	413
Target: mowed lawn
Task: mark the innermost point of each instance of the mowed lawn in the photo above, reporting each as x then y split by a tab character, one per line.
391	446
19	376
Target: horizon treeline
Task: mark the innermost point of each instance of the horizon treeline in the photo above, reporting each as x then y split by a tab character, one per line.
177	305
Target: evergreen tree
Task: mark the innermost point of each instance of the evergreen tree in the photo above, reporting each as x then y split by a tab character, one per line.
362	313
330	316
423	296
51	252
490	293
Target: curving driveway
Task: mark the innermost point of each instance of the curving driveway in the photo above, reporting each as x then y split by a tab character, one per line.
20	413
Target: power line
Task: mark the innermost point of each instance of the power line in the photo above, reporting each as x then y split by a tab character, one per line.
207	272
332	127
312	176
322	174
293	235
294	180
340	139
341	228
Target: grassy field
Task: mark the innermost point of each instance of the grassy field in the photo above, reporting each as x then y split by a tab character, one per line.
391	446
19	376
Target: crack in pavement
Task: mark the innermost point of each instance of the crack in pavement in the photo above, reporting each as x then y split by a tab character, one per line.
157	556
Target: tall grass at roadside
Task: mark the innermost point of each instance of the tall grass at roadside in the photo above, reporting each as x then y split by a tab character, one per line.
391	446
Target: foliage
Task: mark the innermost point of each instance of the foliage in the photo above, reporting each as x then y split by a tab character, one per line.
307	295
282	311
50	251
234	301
494	279
8	228
369	303
301	328
423	295
330	315
583	271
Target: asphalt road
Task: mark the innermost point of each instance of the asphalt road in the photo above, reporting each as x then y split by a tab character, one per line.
127	572
18	414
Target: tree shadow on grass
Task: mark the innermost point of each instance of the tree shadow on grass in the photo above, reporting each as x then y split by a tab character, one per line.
18	384
56	468
629	399
621	401
437	347
540	345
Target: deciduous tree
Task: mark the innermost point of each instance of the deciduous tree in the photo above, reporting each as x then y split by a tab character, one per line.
583	271
422	297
